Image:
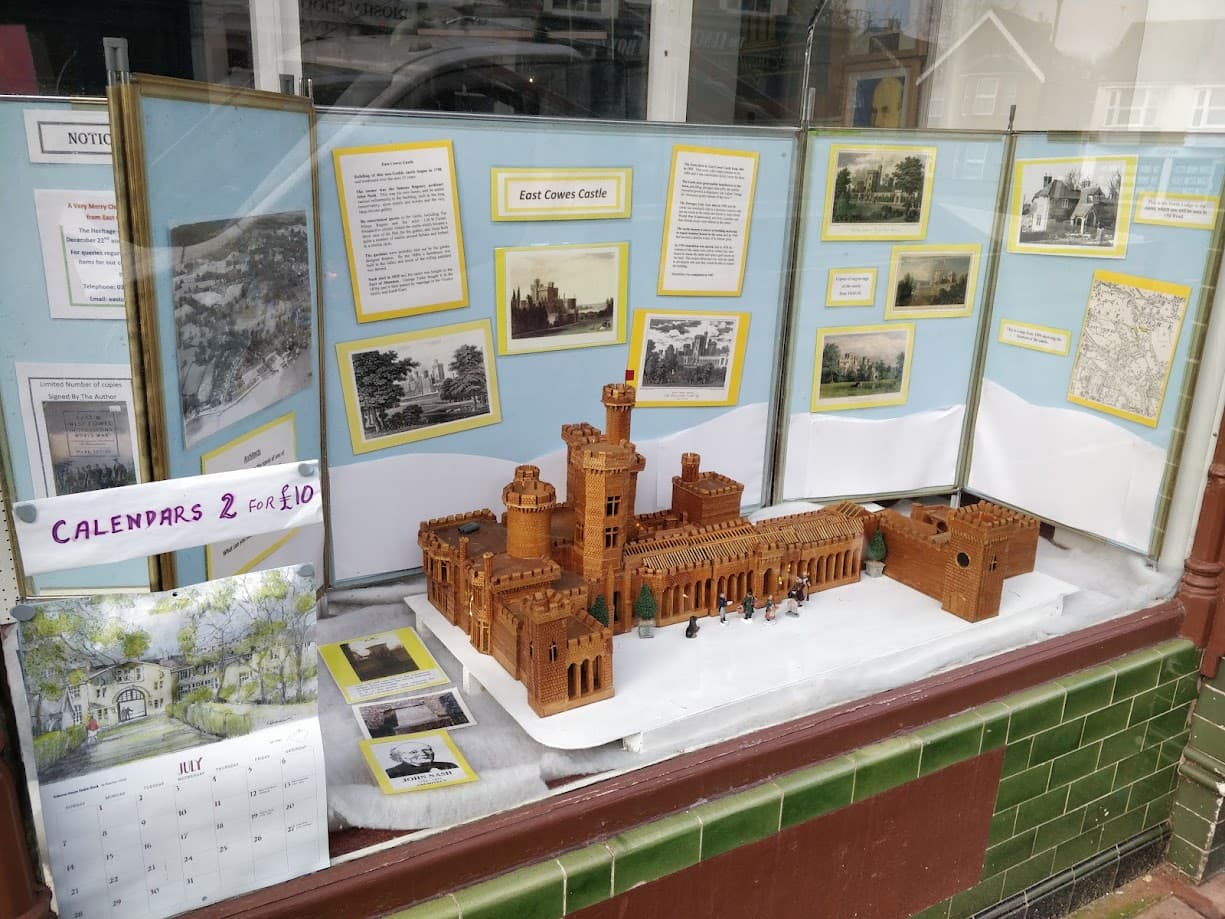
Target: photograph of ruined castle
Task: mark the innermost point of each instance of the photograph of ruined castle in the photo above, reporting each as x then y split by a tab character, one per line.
545	587
555	297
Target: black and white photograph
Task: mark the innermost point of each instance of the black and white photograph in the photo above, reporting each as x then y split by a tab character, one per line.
80	426
378	657
555	297
932	281
862	366
416	761
113	678
1077	206
878	192
428	712
414	385
688	358
242	317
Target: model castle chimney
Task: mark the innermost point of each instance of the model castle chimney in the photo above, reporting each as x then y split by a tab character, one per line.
529	514
618	399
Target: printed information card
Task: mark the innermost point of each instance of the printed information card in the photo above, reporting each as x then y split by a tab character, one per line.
79	235
176	741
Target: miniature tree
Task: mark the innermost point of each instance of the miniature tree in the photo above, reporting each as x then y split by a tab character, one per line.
875	554
644	611
599	610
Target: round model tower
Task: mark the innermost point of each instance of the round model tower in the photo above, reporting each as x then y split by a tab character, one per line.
529	514
618	399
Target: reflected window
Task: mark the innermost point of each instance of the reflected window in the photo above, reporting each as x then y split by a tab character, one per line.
1209	109
980	94
1132	106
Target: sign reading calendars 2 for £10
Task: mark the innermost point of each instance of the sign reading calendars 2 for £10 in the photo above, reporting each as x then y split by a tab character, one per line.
134	521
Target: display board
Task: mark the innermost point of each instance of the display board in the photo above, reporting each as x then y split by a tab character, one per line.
895	230
568	252
1097	318
224	232
65	382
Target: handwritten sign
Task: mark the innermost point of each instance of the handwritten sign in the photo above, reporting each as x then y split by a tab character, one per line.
135	521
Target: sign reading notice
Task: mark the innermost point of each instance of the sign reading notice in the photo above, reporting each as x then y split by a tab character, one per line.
135	521
706	234
62	136
400	212
79	234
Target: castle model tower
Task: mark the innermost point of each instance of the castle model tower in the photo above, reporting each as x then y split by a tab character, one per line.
529	514
975	567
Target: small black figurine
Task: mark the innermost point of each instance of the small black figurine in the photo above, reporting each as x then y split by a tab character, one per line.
746	606
692	630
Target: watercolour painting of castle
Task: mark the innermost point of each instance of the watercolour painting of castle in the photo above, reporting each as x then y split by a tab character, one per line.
532	588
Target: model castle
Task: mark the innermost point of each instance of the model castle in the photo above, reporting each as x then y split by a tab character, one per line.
521	587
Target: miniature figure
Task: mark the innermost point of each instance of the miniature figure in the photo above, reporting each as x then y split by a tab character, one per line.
692	630
770	616
791	607
722	604
746	606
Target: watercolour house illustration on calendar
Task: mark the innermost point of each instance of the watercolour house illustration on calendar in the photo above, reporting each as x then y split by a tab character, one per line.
185	719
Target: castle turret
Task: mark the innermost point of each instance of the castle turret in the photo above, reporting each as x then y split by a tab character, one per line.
529	514
690	463
618	399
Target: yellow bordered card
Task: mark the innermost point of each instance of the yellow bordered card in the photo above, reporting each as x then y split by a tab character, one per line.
382	664
1035	337
415	385
551	298
862	366
1127	344
1071	205
851	287
399	207
416	761
706	222
687	358
267	445
878	192
932	282
559	194
1165	209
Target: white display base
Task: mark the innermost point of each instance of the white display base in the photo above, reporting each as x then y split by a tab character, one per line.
669	678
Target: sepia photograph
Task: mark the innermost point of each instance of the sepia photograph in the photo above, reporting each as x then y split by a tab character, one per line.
413	385
416	761
1077	206
862	366
932	281
242	317
113	678
429	712
383	664
555	297
878	192
682	358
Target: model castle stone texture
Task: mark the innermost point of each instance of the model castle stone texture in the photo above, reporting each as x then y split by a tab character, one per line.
521	587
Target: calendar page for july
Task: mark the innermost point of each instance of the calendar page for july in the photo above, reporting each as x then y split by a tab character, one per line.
176	741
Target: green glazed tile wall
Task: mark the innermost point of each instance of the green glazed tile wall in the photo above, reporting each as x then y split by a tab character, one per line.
1197	845
1090	760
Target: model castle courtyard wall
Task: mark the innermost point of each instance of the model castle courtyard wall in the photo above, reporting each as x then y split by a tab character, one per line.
521	586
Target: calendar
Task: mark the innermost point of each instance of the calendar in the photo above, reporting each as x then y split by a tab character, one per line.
176	741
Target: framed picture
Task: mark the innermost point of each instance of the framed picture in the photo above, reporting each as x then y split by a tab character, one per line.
683	358
1126	347
551	298
242	317
432	711
382	664
80	426
414	385
862	366
878	192
932	281
416	761
1077	205
880	97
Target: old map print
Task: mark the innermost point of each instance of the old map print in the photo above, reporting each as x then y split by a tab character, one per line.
1127	345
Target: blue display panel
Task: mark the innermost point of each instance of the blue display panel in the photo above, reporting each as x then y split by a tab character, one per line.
1094	322
888	264
230	215
377	498
58	353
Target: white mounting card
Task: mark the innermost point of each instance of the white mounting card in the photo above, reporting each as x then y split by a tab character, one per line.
176	741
